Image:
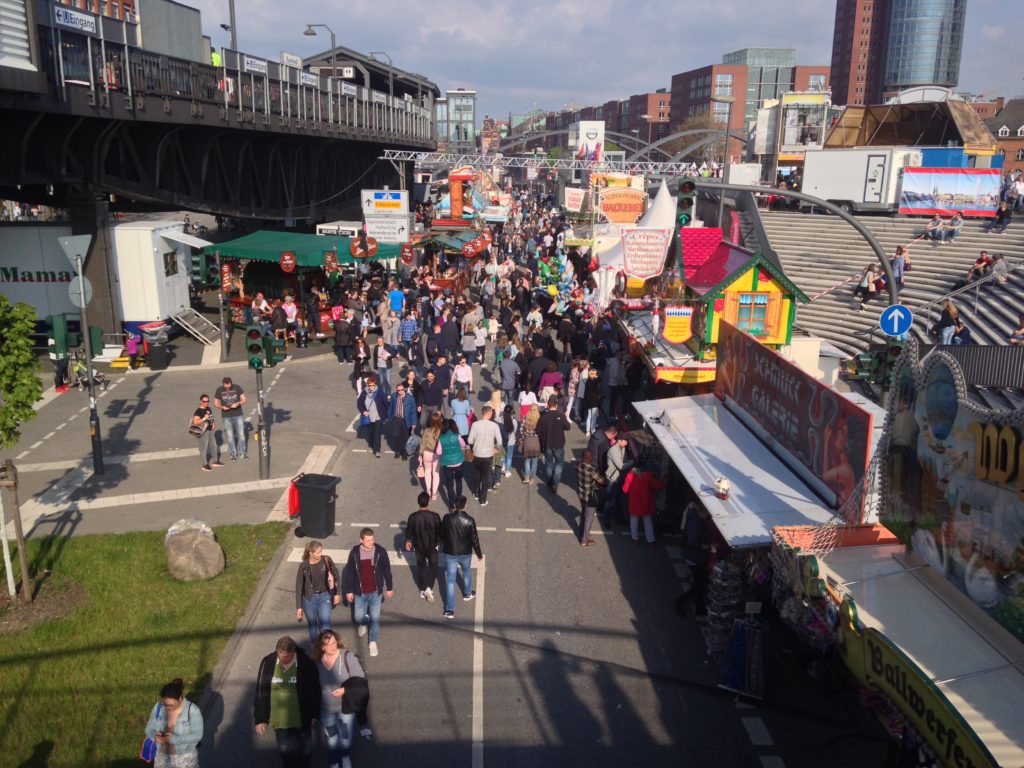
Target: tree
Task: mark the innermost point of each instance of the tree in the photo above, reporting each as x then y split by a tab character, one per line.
708	153
20	388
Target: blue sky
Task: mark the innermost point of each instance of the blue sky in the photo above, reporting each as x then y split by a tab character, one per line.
558	52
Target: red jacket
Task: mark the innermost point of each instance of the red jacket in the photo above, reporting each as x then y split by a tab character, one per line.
640	487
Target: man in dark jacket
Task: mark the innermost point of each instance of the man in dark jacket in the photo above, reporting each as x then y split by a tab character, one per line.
343	339
366	582
551	429
431	398
599	445
459	540
450	338
421	534
288	699
536	369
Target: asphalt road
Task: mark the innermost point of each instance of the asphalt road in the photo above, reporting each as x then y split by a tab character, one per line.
568	657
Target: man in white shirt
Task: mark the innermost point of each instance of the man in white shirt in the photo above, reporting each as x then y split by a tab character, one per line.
485	440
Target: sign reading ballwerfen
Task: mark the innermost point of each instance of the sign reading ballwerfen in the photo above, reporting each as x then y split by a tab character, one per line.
644	250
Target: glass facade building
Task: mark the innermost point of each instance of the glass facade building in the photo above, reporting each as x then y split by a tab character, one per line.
455	122
924	43
769	75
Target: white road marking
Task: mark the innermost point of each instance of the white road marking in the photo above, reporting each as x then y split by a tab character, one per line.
60	426
757	731
478	667
360	450
520	530
133	458
48	436
337	555
83	409
558	530
772	761
485	528
318	459
35	445
352	426
364	525
22	455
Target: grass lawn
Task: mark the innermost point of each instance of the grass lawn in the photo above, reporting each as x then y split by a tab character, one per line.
76	690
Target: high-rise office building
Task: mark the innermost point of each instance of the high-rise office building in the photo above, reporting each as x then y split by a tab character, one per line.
455	121
924	42
881	47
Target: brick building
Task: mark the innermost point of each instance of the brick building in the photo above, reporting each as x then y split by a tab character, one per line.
1008	128
858	51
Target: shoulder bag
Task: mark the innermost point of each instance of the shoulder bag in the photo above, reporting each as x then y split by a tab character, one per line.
147	753
198	430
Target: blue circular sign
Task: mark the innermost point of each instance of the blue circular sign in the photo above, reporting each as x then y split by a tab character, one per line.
895	320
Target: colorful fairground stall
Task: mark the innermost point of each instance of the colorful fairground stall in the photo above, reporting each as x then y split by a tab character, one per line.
678	338
928	612
277	264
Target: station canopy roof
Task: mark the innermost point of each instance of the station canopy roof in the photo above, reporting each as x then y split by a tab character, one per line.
309	250
917	124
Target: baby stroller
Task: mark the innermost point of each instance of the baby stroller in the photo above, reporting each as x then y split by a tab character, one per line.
78	376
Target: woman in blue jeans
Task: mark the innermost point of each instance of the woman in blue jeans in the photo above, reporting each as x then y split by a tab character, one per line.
336	666
316	590
529	444
451	449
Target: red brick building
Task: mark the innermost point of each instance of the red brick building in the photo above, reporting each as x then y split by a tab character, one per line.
691	98
858	51
656	106
1008	128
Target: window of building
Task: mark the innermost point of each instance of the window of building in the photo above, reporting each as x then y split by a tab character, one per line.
170	264
1020	131
1020	155
752	314
1004	131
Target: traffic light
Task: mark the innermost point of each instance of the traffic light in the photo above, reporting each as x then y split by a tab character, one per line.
686	200
254	346
274	349
198	271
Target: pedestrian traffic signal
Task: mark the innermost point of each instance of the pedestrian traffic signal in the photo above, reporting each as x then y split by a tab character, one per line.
274	350
254	346
686	200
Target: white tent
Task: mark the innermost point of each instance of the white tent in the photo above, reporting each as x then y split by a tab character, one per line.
661	214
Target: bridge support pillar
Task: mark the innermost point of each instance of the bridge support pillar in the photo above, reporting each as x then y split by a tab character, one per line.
90	215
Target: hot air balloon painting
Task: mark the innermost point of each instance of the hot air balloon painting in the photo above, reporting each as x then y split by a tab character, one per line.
941	406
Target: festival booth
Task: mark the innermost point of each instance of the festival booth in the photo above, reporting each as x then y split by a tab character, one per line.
770	448
930	617
279	263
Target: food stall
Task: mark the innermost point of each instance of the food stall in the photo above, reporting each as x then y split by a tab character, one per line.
278	263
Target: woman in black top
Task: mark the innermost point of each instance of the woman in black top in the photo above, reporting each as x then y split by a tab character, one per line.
316	590
202	427
361	358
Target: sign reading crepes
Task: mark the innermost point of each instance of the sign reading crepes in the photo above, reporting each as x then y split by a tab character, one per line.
622	205
644	250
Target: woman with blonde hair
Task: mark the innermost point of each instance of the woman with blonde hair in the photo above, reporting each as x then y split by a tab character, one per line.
316	589
529	444
947	322
429	461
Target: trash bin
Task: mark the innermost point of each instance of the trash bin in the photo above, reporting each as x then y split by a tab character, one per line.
157	355
316	503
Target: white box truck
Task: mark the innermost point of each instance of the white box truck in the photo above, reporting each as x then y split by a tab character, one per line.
152	261
858	179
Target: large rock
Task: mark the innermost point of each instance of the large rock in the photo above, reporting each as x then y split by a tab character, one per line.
193	553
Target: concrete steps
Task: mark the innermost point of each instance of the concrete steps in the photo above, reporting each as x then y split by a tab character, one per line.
817	252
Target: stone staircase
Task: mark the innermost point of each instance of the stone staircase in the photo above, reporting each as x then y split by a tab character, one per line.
819	251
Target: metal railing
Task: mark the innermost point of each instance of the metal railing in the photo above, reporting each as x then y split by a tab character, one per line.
933	307
249	85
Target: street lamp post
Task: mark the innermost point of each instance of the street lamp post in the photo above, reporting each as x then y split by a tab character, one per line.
648	118
730	100
311	32
391	72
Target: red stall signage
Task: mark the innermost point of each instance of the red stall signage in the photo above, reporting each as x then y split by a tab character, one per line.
288	261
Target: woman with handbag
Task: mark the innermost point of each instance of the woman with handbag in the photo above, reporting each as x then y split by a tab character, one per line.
430	462
361	360
174	730
451	452
529	444
201	427
316	590
590	484
344	696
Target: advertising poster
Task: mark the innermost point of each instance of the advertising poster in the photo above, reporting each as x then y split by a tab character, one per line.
574	199
622	205
644	250
814	425
955	484
591	140
945	191
678	328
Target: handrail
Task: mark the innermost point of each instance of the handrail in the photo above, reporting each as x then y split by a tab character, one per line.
974	285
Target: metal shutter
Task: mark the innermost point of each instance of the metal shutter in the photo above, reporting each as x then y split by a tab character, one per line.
14	45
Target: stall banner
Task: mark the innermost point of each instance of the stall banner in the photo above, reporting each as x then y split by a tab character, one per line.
288	261
591	140
225	278
644	250
810	423
622	205
954	480
678	327
574	199
331	262
945	191
882	666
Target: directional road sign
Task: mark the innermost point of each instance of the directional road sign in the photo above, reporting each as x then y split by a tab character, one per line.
389	229
384	202
895	320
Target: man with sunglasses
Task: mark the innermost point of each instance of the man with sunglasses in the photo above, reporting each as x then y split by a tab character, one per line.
230	398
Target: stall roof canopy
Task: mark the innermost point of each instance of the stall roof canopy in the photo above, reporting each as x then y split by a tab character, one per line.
309	250
920	124
453	241
705	441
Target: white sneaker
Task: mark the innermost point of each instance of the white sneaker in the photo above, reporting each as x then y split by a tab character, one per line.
366	733
508	474
429	595
373	648
423	594
361	631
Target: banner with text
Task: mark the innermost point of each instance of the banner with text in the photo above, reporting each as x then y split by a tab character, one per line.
810	422
574	199
644	250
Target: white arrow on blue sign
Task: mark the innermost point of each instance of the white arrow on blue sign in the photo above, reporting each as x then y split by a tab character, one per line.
895	320
387	195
